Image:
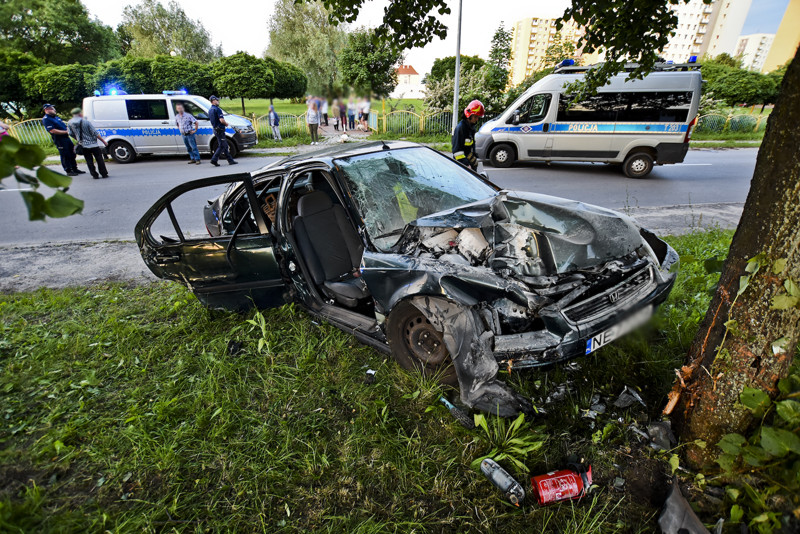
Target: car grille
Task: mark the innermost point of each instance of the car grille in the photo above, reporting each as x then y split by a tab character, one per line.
621	295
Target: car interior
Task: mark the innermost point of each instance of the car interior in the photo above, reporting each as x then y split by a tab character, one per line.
327	240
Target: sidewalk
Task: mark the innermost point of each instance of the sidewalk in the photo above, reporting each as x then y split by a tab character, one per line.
27	268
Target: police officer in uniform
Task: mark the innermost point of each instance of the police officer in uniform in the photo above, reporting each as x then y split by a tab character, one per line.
59	131
218	123
463	142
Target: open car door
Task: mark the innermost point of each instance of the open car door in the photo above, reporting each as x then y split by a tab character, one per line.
235	270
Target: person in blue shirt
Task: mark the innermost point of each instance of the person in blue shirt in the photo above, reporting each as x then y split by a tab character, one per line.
218	124
59	131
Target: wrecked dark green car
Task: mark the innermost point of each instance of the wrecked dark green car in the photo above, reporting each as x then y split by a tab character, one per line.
416	256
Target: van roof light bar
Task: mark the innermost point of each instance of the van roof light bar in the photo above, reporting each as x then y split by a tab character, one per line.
657	67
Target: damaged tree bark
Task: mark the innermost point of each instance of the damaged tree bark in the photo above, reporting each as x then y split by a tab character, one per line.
705	397
469	343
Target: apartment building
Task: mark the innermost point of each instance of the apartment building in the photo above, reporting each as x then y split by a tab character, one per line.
706	29
532	37
786	40
753	49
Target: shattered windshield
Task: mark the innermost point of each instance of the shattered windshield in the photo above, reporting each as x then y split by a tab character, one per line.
394	187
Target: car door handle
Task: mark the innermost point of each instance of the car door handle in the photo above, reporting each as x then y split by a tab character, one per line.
545	127
165	258
164	122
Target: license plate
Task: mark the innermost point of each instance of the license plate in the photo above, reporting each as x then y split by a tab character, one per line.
620	329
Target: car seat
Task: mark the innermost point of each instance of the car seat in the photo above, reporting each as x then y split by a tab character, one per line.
331	248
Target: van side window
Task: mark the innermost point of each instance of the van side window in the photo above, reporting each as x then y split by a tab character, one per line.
143	110
191	108
654	107
534	109
598	108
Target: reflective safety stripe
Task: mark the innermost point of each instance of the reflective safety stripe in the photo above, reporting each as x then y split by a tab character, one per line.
458	155
469	142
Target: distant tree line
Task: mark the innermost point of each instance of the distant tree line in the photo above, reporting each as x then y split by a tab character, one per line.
52	51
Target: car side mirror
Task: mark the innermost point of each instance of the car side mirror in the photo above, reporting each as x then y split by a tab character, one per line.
202	116
515	119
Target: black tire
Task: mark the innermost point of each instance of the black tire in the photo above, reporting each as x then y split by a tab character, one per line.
233	148
638	165
502	155
417	345
122	152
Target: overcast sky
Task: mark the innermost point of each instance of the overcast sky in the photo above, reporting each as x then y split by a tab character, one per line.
242	24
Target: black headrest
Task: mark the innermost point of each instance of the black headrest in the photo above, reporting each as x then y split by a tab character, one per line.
313	202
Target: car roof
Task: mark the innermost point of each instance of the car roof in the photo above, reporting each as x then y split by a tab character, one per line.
328	154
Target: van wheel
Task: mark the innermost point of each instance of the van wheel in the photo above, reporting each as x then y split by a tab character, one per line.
417	345
233	149
121	151
638	165
502	155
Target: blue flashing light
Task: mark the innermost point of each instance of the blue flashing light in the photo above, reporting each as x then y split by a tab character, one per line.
97	92
113	92
567	63
170	93
692	59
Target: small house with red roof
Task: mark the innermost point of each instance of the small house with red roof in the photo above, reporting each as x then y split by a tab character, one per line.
409	83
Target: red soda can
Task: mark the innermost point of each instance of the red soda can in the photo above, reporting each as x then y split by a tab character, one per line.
562	485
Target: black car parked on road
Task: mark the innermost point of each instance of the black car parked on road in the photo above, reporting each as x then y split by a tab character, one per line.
416	256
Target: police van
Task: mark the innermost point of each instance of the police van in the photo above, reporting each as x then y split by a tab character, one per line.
145	124
635	123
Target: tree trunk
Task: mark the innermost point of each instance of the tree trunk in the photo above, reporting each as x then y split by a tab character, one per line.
706	394
243	111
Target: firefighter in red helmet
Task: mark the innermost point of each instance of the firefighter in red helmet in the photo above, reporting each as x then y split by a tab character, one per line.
463	142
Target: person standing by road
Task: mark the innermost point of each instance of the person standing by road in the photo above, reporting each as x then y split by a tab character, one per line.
351	114
365	114
312	119
218	124
187	125
324	110
87	137
463	142
274	123
60	134
343	115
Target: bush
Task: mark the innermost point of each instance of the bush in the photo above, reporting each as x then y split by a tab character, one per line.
62	84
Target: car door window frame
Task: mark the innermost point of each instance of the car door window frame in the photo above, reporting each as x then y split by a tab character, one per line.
522	117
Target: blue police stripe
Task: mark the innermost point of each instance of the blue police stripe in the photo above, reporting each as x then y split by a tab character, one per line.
154	131
599	128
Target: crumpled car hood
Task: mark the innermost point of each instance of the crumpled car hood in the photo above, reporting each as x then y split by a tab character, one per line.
528	234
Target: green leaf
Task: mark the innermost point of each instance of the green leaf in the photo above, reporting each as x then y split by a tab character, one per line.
779	266
732	493
744	281
674	462
713	265
754	400
791	287
754	264
9	144
732	443
789	411
35	203
727	461
6	166
24	178
755	456
778	442
779	345
736	513
783	302
52	178
29	156
62	205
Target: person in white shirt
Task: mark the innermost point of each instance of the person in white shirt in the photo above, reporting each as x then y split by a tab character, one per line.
351	114
365	115
324	111
312	119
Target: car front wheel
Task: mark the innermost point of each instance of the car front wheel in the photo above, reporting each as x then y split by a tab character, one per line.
638	165
502	155
417	345
121	151
233	148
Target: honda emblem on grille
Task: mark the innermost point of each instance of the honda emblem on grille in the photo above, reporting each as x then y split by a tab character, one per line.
614	297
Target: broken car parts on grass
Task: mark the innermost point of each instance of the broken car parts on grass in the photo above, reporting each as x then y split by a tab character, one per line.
415	255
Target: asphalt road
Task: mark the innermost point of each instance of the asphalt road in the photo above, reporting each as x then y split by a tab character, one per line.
114	205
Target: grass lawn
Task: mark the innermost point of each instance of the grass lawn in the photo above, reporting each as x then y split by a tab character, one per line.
125	409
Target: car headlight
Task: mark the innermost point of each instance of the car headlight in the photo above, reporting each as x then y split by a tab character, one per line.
244	129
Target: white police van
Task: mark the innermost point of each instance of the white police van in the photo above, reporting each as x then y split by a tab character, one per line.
145	124
636	123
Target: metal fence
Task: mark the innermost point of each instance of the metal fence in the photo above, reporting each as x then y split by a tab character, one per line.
290	125
30	132
718	123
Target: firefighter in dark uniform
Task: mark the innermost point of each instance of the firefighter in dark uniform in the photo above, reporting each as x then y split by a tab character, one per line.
463	142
